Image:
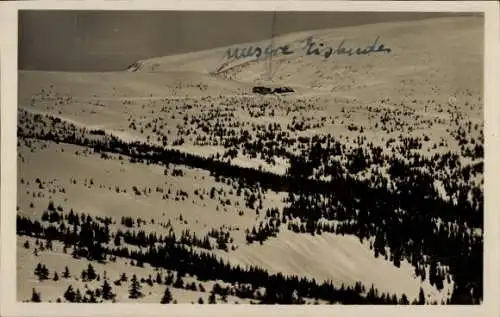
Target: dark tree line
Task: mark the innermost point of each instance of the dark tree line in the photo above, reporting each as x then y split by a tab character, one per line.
411	219
172	256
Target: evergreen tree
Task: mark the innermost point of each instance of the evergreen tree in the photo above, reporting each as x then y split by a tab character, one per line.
135	288
439	282
45	273
42	272
193	287
170	279
124	278
397	260
422	274
117	241
74	253
91	274
107	291
69	294
212	299
56	277
35	297
433	273
179	283
38	269
421	297
404	300
78	296
200	301
167	296
66	272
150	280
92	298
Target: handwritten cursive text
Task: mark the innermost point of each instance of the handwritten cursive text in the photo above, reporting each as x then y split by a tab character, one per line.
310	48
313	48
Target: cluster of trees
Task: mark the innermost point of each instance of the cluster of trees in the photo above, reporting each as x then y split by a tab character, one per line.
271	228
105	292
42	272
409	217
222	237
172	256
189	238
141	152
90	296
402	211
141	239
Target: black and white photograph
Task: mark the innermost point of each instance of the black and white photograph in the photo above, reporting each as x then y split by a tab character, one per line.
275	157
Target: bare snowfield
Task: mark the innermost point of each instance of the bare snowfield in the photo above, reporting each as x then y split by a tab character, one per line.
430	82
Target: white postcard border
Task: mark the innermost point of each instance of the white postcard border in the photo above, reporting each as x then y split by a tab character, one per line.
8	62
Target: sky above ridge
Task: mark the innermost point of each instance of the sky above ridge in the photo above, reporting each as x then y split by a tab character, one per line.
112	40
